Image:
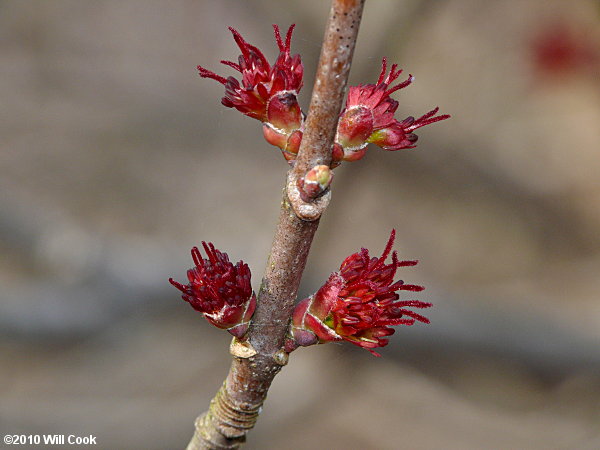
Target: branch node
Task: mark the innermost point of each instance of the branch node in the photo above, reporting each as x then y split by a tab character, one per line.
308	211
225	424
281	357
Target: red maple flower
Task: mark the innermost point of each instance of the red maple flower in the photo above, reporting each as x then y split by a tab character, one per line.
219	290
358	304
369	107
261	82
369	118
561	49
399	135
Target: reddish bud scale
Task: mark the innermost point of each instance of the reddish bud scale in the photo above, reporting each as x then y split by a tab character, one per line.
288	144
358	304
219	290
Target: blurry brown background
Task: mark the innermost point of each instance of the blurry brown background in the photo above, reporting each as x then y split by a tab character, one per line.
116	158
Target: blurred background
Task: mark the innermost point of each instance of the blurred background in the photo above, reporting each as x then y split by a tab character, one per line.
116	159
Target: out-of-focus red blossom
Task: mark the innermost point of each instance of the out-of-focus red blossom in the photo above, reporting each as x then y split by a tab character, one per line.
358	304
264	89
369	118
558	49
219	290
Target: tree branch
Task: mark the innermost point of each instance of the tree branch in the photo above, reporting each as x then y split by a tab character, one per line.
257	360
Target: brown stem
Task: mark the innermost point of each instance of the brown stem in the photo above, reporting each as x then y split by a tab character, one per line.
235	408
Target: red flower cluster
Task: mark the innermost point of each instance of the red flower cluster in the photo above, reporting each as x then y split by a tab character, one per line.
260	80
369	118
267	93
358	304
270	94
219	290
